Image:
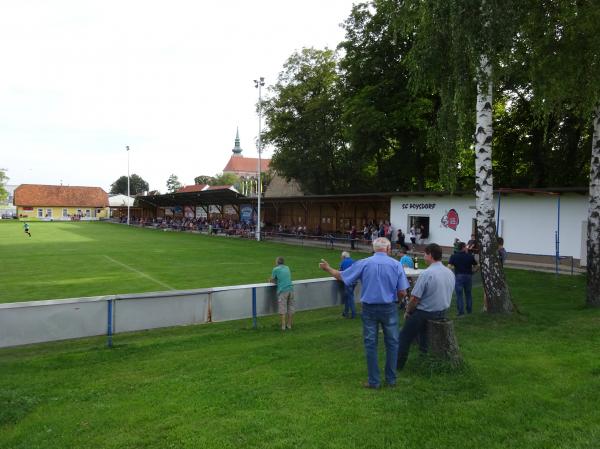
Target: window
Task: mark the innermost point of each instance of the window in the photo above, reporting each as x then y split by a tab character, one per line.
65	213
40	213
49	213
87	213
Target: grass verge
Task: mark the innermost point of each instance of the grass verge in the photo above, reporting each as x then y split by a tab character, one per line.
530	381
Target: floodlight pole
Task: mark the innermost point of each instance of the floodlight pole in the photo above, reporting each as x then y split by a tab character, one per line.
127	147
259	84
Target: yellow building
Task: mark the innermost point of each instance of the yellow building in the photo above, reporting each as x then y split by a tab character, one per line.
45	202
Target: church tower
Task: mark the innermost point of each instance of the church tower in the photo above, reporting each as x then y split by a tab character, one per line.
237	150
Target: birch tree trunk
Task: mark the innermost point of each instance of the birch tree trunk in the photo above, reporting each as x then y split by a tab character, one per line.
593	241
492	273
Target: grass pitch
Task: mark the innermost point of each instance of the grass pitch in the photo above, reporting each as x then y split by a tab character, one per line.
74	259
530	381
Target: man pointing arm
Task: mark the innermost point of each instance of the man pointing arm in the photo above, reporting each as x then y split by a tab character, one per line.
383	281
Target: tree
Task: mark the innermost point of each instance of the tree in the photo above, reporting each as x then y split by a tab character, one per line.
386	124
203	179
303	119
224	179
458	41
173	184
533	151
3	179
593	241
561	43
137	185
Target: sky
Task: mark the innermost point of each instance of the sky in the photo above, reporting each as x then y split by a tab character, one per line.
81	80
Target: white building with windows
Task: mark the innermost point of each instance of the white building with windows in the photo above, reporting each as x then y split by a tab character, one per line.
536	222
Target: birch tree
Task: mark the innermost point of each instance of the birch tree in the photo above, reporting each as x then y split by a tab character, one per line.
494	282
593	242
458	41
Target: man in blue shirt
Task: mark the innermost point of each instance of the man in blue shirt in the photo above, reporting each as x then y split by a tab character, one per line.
463	263
349	305
430	298
383	282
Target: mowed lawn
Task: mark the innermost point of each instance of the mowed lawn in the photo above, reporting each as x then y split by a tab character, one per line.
66	260
531	380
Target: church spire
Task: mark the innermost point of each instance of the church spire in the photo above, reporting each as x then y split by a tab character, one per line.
237	150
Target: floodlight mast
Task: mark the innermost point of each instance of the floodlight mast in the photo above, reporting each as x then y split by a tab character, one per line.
127	147
259	84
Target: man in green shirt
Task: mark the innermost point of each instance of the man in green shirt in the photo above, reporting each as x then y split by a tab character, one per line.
282	276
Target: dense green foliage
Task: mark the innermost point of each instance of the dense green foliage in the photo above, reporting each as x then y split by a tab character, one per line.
304	124
387	124
203	179
137	185
73	259
395	108
220	179
530	381
3	179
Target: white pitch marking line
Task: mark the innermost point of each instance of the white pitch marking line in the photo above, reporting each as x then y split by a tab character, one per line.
139	272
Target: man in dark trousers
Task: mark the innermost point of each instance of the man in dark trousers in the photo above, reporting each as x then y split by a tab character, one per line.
349	305
352	237
463	263
429	300
383	283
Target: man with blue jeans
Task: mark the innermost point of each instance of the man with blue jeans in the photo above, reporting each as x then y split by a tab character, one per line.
383	282
349	306
463	263
429	300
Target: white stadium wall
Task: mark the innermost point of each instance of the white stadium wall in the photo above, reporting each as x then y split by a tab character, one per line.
527	222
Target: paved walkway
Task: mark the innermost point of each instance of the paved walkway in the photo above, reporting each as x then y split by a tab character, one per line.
515	260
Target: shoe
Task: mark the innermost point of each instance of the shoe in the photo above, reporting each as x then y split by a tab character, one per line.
289	327
369	386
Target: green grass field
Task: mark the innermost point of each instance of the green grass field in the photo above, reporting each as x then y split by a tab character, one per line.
531	380
66	260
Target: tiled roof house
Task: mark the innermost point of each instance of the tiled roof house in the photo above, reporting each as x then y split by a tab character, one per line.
60	202
193	188
244	167
247	169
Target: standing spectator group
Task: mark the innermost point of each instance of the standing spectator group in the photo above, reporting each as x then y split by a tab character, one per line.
383	285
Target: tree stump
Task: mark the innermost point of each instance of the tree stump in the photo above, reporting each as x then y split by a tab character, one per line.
442	341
